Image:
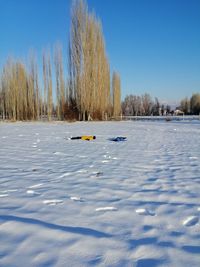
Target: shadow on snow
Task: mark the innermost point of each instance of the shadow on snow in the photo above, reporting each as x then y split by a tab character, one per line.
70	229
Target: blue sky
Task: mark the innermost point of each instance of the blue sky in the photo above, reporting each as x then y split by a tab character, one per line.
153	44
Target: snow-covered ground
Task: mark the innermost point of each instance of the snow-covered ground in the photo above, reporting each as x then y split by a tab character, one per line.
100	203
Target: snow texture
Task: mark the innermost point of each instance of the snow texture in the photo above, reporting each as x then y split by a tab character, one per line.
100	203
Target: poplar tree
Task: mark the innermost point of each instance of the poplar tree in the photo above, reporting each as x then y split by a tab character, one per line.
60	84
45	85
49	83
116	88
88	64
47	78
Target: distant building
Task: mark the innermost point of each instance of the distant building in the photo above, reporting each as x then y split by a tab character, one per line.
178	112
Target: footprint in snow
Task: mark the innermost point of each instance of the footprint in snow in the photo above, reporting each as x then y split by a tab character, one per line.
191	221
32	192
4	195
105	161
9	190
65	174
152	179
82	171
144	212
82	156
96	174
58	153
76	199
107	157
106	209
35	186
193	158
53	202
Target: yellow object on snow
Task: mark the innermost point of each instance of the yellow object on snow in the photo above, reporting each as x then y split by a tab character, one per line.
88	137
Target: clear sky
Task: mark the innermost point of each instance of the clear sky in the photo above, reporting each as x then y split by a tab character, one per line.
153	44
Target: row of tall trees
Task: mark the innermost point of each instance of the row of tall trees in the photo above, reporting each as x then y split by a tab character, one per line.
20	98
87	93
191	105
144	105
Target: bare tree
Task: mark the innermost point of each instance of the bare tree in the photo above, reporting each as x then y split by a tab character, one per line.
147	104
132	105
89	69
185	105
103	93
60	84
77	35
2	97
195	104
45	84
116	88
49	82
156	107
33	88
47	77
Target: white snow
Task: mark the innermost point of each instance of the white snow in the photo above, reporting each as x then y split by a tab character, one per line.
76	198
35	186
32	192
100	203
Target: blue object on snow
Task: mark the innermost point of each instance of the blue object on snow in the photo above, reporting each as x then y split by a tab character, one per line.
118	139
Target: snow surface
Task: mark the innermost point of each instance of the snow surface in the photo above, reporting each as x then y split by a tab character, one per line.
100	203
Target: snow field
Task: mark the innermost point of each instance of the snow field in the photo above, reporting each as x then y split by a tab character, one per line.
99	203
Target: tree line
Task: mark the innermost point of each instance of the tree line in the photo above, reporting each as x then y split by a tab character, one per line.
144	105
89	92
191	106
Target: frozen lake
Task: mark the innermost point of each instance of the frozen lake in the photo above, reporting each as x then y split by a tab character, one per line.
100	203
